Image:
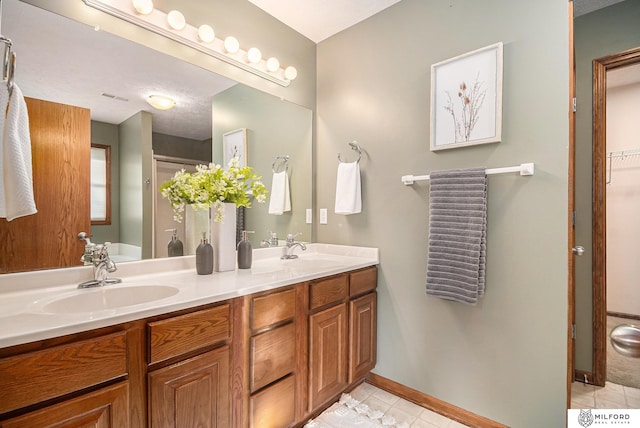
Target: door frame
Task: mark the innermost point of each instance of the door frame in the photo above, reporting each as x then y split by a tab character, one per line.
571	347
599	219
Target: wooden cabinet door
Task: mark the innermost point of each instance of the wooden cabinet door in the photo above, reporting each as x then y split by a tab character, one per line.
105	408
192	393
61	157
328	340
362	336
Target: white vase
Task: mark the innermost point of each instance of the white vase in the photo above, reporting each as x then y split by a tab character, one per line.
196	222
223	239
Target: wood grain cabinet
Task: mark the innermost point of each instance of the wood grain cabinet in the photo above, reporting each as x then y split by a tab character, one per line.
193	391
105	408
44	378
362	322
269	360
342	333
273	359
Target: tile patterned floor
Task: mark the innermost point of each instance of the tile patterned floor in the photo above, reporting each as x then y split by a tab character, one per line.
401	409
583	396
611	396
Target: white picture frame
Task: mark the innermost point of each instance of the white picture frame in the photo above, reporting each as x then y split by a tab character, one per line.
234	143
466	99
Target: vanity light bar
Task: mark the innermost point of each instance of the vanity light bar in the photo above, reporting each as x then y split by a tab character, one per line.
156	21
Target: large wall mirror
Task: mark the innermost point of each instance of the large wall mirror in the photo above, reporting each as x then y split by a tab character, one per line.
64	61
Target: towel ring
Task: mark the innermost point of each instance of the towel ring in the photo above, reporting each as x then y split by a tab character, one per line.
7	60
354	146
283	161
12	71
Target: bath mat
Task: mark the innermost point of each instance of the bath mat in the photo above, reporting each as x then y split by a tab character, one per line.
621	369
349	412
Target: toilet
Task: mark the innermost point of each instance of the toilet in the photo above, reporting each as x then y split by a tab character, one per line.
625	339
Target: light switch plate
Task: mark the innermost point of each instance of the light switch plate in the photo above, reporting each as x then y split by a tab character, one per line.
323	216
309	216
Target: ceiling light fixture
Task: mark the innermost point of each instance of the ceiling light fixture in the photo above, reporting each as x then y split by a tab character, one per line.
161	102
144	15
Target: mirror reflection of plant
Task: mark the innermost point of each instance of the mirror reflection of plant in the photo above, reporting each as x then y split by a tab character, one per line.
471	100
212	186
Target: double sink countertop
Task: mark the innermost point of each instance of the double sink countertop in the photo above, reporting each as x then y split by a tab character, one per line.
44	304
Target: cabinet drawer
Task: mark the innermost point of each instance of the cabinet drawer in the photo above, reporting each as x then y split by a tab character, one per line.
42	375
363	281
274	407
185	333
272	309
273	355
328	291
106	407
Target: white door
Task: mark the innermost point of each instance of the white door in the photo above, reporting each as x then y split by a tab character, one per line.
163	212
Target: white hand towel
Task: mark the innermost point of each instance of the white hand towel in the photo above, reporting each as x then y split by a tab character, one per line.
280	200
348	192
16	181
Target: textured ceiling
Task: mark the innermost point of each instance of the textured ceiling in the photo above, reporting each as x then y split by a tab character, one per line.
71	63
582	7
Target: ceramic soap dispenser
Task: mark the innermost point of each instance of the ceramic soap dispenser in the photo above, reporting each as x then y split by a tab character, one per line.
204	257
245	251
175	247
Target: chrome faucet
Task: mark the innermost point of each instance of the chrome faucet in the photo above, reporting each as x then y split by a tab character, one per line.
98	256
290	245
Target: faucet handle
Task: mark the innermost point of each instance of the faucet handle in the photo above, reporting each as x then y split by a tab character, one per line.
291	237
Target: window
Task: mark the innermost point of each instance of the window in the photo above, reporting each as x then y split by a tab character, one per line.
100	184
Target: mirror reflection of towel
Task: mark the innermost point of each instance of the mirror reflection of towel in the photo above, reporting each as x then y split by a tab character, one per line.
16	182
280	200
348	189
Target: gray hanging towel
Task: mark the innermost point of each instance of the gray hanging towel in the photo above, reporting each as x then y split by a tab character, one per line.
457	234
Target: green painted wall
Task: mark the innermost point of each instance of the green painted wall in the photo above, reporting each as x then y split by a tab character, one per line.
274	128
107	134
505	358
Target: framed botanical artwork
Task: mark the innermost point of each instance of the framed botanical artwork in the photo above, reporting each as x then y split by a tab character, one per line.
466	99
234	144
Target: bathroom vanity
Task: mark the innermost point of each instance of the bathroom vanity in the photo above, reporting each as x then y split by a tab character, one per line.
267	347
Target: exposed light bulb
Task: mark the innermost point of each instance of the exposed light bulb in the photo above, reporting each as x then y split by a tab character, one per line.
231	45
161	102
206	33
273	64
290	73
176	20
254	55
143	7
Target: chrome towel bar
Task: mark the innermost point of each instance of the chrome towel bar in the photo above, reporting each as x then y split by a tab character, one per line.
523	169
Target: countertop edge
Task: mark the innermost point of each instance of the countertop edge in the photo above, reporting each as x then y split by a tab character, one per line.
146	311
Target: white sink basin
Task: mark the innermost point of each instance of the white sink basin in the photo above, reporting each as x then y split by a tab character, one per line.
106	298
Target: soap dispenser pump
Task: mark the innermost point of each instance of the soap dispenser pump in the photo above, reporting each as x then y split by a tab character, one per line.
204	256
245	251
175	247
